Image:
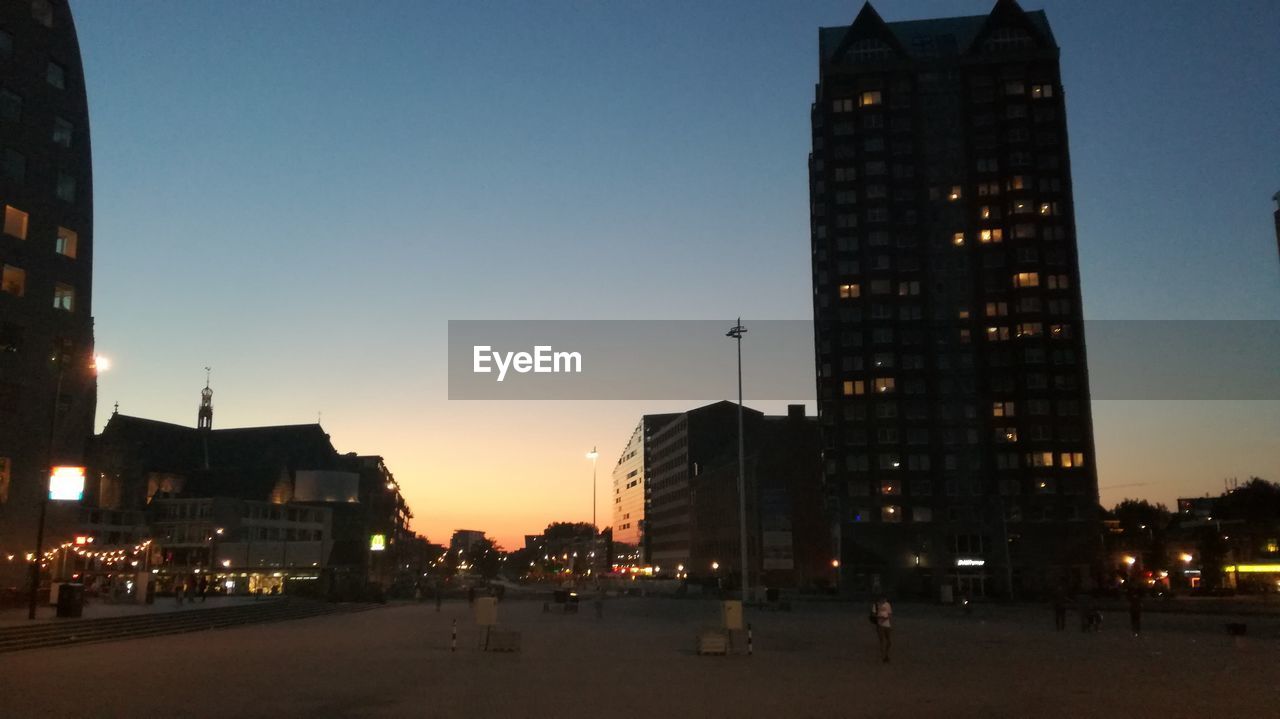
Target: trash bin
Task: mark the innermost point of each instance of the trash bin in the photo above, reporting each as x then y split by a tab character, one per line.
71	601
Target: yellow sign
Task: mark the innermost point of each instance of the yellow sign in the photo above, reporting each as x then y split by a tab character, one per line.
377	542
1253	568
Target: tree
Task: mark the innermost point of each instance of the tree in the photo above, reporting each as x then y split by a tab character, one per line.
485	558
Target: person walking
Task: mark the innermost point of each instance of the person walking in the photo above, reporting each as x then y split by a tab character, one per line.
1135	613
1059	610
882	617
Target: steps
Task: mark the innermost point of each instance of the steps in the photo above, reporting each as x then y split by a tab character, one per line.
84	631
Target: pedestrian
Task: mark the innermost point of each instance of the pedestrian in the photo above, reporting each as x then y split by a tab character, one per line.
882	617
204	590
179	591
1135	613
599	602
1059	611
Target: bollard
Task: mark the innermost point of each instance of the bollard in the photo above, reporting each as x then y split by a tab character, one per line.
454	646
750	647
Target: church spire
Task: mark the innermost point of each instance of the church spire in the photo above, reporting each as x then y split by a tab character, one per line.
204	419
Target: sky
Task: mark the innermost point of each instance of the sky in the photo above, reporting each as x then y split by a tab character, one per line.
300	195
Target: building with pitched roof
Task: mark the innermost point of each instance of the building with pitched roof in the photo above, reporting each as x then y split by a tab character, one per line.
952	386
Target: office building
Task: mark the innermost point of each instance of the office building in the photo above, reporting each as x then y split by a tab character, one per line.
953	394
47	376
630	485
692	519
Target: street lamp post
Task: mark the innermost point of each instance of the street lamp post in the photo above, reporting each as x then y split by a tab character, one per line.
99	364
736	333
593	455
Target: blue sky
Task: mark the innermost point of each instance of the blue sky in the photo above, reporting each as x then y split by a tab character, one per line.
301	194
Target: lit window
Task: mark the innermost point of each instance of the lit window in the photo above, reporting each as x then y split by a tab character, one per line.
1030	329
42	12
1040	459
958	239
871	97
66	243
13	281
1060	332
890	513
1038	91
64	297
997	334
850	292
1044	485
56	76
991	236
1002	409
1007	435
997	309
985	212
1026	279
15	222
890	487
954	194
884	385
854	387
1071	459
61	132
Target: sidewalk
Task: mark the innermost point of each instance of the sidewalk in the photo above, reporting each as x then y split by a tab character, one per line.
96	609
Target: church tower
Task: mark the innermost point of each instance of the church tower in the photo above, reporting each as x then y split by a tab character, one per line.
204	419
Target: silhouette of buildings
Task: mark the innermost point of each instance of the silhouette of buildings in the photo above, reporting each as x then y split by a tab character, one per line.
254	506
47	378
953	394
691	522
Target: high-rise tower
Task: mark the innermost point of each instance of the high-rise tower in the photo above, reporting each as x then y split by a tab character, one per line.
952	387
47	380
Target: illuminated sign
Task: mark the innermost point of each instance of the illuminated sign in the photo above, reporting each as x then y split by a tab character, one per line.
66	484
377	542
968	562
1253	568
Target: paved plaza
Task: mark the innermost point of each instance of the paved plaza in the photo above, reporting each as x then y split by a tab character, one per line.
819	660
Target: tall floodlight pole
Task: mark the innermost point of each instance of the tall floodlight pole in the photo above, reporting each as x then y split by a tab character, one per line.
593	455
736	333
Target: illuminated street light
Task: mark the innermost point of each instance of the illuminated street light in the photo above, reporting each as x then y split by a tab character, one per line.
1129	560
1186	557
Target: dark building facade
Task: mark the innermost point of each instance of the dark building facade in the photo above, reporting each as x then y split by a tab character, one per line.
47	378
953	394
692	521
288	505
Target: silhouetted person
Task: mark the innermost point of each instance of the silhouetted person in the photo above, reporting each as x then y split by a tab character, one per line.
179	590
882	617
1059	611
204	590
471	596
1135	613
